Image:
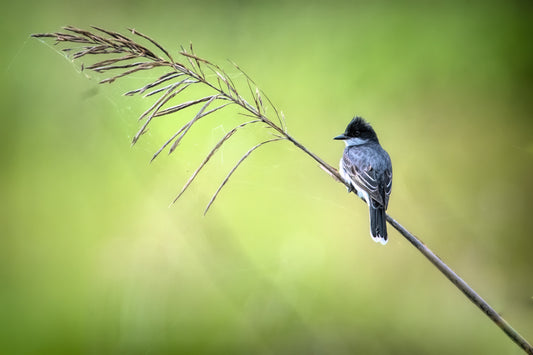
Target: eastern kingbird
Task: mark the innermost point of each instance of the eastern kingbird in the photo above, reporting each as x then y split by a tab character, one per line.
368	169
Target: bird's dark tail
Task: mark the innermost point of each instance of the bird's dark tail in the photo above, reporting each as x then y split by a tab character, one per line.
378	223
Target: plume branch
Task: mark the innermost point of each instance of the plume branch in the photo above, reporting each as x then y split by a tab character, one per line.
210	155
246	155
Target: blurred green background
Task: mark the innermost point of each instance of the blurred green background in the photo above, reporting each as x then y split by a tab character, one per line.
93	261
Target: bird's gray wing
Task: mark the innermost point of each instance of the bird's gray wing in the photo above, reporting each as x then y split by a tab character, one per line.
387	184
363	176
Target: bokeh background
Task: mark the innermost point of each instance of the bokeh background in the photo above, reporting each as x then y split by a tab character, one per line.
94	261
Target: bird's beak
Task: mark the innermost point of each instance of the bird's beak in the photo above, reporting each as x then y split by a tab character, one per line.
340	137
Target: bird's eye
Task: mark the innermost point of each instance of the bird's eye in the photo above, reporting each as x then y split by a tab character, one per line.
357	133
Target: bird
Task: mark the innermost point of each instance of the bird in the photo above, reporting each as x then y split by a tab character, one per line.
367	167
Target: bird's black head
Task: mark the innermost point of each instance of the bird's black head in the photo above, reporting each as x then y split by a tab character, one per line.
359	128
